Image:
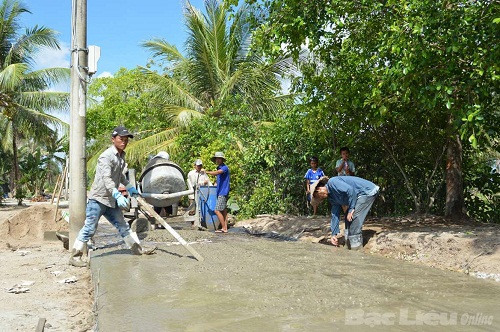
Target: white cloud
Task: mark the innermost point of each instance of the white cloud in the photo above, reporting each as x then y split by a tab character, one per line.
51	58
105	74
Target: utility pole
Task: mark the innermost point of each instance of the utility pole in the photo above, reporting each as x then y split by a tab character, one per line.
77	156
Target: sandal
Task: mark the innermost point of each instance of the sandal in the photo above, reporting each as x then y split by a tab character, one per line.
341	240
334	241
220	231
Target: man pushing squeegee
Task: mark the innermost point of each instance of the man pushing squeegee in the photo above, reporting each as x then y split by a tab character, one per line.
106	200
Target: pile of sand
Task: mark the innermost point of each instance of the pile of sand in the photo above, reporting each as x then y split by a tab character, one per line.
30	224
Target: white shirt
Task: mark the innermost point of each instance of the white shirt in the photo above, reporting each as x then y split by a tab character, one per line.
108	176
194	177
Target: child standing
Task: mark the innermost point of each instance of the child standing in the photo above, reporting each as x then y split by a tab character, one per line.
344	166
312	175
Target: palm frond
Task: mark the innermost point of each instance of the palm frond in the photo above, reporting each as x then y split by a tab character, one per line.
47	77
10	11
25	47
180	115
169	90
57	102
138	151
12	76
6	129
164	50
218	69
37	123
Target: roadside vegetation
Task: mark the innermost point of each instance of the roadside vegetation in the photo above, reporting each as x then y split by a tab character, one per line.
29	131
411	87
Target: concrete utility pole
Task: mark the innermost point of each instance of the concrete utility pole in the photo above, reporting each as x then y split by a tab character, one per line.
77	156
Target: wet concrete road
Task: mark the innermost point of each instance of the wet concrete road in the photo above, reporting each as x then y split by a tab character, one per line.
254	284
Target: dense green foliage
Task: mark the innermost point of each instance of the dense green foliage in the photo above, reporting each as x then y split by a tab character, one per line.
417	77
410	86
119	99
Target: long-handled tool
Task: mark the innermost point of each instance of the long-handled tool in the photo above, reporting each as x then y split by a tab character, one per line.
146	206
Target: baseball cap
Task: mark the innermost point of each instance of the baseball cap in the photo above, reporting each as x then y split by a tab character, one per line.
121	131
198	162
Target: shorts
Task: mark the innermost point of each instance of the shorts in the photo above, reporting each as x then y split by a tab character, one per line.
221	203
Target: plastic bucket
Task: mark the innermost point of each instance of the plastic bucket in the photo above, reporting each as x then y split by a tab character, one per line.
207	199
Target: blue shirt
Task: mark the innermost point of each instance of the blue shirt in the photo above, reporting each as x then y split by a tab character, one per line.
223	185
313	176
345	190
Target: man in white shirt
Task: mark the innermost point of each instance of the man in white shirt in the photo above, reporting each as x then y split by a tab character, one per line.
195	178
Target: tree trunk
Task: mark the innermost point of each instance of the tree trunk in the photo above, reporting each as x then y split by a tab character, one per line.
454	180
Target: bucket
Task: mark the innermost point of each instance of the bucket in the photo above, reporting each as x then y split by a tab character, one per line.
207	198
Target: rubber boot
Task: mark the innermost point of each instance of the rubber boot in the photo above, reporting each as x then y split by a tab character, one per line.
75	257
134	236
132	240
144	250
134	246
346	236
360	244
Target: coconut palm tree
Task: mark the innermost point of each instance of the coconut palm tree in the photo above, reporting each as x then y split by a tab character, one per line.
25	98
217	69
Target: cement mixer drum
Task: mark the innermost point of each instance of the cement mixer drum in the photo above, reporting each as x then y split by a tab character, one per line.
162	176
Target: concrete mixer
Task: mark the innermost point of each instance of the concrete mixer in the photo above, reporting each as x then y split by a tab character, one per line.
162	184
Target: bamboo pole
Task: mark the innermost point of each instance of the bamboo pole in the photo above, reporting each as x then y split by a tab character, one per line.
55	188
146	206
59	192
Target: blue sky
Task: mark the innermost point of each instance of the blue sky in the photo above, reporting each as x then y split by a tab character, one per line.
118	27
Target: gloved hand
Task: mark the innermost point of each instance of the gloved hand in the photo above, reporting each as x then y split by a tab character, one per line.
120	199
131	190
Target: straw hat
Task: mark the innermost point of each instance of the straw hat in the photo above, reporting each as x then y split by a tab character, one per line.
321	182
218	154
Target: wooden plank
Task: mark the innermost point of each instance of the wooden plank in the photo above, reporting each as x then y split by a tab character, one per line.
55	189
41	325
59	193
146	206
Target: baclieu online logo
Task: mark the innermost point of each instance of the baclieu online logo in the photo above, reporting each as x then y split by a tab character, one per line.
405	317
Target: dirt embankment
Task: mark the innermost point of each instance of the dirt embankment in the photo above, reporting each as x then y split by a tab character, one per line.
21	226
